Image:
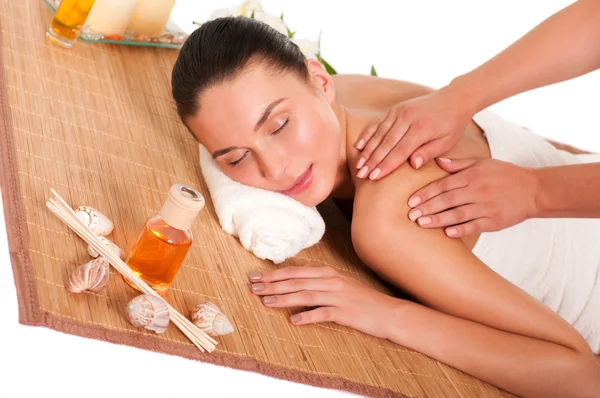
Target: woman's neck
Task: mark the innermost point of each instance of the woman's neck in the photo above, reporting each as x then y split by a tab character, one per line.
343	187
352	122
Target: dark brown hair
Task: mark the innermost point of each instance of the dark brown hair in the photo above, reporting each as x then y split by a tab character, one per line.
221	48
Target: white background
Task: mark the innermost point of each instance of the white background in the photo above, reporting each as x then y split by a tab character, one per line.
425	41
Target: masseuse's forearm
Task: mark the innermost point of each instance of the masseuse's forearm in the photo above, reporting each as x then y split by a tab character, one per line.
564	46
522	365
568	191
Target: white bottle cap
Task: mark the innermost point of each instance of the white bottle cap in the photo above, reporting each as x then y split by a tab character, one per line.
182	206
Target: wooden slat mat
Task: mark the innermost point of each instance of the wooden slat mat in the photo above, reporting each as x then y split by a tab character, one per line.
97	124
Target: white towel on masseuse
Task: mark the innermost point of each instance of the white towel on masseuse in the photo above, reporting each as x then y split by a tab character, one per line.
271	225
555	260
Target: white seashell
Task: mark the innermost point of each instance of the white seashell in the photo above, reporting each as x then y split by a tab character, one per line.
149	312
96	221
209	318
92	276
111	245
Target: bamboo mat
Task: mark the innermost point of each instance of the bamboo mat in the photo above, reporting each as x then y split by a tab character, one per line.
97	124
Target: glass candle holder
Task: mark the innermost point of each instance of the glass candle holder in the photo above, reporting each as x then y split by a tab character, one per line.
68	21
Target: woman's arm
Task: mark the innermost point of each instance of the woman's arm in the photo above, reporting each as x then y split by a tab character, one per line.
477	321
491	195
581	199
564	46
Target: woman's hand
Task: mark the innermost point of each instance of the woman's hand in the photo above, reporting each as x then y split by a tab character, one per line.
478	196
338	298
421	128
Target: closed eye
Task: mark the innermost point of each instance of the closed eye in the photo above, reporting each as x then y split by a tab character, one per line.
282	127
239	160
273	133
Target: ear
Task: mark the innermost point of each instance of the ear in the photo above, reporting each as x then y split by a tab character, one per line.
321	79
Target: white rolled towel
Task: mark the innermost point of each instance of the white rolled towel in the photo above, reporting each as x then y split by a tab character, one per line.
271	225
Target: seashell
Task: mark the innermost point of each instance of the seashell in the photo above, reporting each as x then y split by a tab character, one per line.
209	318
92	276
111	245
96	221
149	312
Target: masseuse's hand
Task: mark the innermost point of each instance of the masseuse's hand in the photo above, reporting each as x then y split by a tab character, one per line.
478	196
421	128
338	298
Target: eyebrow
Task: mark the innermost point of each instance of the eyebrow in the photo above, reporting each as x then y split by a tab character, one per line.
263	118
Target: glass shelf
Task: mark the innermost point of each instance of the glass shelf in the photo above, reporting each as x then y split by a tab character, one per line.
173	36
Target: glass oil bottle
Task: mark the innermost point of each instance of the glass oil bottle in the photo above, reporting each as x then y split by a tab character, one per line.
166	238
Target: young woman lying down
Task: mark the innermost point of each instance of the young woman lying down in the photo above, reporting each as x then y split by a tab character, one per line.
519	308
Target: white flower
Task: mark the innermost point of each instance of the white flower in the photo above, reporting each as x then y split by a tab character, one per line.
308	47
249	8
246	9
252	7
220	13
271	20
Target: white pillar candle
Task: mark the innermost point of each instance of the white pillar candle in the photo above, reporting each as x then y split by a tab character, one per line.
111	17
150	17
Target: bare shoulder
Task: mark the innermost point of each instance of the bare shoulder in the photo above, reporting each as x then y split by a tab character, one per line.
358	91
343	80
380	219
383	204
378	95
387	196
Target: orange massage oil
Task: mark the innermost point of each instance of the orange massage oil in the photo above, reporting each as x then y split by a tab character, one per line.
166	239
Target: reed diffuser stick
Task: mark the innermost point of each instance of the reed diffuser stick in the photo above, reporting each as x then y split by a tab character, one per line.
62	210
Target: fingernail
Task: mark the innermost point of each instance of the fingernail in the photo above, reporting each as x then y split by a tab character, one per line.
413	215
255	277
295	318
363	172
375	173
414	201
445	160
361	163
257	287
360	144
418	162
451	232
424	221
269	299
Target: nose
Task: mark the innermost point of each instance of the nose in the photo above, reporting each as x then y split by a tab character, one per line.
274	166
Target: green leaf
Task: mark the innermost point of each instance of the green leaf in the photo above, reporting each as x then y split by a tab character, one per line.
281	17
290	33
373	71
252	16
328	67
196	23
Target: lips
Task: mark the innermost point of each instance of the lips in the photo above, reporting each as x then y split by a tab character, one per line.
301	184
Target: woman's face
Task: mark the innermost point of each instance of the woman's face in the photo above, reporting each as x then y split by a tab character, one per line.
273	131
